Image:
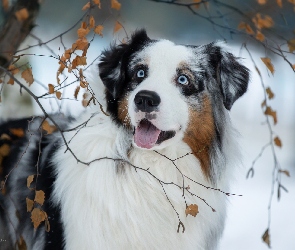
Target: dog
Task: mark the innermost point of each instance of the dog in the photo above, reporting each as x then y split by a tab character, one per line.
149	170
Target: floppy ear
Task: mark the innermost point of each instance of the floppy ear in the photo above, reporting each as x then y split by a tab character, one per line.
113	62
231	76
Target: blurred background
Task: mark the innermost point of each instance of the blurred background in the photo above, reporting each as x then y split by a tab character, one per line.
248	216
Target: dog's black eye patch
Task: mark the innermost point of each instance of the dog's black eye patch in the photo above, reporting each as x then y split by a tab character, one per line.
139	73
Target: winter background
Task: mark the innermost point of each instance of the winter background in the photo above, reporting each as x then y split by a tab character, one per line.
247	215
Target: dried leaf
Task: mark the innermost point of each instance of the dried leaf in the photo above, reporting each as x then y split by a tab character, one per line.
268	64
271	113
86	6
97	2
91	22
277	141
18	132
80	44
292	1
13	70
30	180
76	92
83	84
82	32
21	244
263	104
50	88
22	14
261	2
269	92
291	45
286	172
115	5
117	27
30	204
262	22
246	27
48	128
98	30
28	76
39	197
192	209
5	5
4	150
37	216
78	61
259	36
58	95
279	2
266	237
10	81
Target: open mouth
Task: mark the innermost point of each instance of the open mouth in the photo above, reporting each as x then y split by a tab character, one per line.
146	135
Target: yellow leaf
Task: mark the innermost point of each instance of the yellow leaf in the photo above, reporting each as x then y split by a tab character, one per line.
39	197
38	216
30	180
268	64
271	113
98	30
58	95
291	45
50	88
117	27
48	128
30	204
22	14
86	6
28	76
192	209
115	5
269	92
277	141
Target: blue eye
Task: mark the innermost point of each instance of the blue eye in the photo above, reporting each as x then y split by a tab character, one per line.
183	80
140	73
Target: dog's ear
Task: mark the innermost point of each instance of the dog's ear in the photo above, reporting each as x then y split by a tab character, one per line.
231	76
113	62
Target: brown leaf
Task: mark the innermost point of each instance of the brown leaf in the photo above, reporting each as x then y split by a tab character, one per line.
83	84
97	2
98	30
259	36
5	137
78	61
22	14
18	132
80	44
5	5
115	5
48	128
37	216
39	197
271	113
13	69
50	88
117	27
4	150
262	22
192	209
91	22
28	76
291	45
86	6
286	172
30	204
10	81
82	32
268	64
261	2
266	237
58	95
279	2
21	244
76	92
30	180
277	141
269	92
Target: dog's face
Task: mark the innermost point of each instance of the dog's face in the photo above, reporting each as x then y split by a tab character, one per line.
166	92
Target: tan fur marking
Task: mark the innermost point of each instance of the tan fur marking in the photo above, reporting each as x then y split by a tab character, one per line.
123	112
200	133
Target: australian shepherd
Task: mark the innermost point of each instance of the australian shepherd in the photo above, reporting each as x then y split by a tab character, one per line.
150	169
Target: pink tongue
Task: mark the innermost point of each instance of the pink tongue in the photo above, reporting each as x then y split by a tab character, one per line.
146	135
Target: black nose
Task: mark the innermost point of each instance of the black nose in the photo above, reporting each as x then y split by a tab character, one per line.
147	101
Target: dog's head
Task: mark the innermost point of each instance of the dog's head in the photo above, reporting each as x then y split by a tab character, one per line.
166	92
